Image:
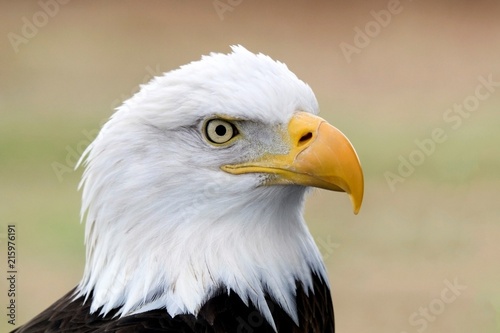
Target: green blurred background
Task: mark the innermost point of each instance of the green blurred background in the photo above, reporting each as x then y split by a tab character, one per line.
62	79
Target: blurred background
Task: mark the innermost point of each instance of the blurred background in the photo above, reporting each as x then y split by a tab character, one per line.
415	85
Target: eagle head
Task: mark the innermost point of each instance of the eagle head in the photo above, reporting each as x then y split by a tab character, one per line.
196	184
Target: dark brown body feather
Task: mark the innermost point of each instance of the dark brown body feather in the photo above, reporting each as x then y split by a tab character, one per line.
223	313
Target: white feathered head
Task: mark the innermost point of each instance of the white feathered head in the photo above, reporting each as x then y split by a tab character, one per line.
197	182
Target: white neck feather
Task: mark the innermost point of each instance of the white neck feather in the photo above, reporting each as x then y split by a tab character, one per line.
178	258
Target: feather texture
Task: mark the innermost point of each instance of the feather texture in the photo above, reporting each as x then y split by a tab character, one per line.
225	312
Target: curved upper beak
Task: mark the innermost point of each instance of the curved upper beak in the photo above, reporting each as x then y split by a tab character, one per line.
319	156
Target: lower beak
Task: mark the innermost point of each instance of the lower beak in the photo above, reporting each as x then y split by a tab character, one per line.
319	156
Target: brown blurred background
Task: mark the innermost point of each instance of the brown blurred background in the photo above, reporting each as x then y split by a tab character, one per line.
386	84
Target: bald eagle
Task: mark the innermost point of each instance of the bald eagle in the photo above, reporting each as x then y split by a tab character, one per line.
193	194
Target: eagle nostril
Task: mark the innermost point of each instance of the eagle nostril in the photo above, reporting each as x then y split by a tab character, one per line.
304	138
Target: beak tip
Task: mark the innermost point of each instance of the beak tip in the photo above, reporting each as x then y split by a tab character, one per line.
356	200
356	208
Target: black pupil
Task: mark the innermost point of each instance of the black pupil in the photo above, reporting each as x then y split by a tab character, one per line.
220	130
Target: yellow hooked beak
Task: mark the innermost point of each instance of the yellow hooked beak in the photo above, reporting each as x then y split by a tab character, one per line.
319	155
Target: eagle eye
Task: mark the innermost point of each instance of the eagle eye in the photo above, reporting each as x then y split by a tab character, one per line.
220	131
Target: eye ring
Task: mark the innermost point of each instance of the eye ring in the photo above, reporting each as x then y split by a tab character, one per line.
219	131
